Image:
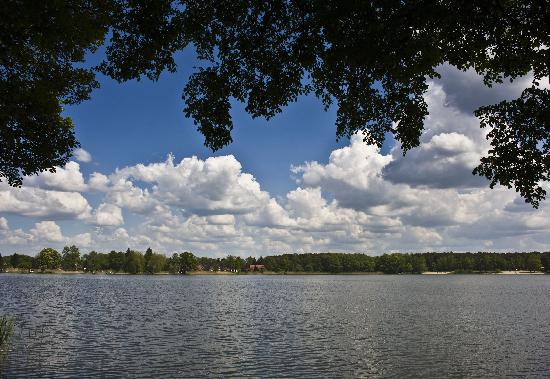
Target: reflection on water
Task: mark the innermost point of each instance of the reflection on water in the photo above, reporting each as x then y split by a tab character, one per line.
277	326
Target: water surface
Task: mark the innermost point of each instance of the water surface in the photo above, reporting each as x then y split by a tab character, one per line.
277	326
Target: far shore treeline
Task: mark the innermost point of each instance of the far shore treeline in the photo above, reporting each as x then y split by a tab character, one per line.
135	262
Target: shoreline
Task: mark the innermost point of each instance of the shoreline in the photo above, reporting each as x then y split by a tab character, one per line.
484	273
270	273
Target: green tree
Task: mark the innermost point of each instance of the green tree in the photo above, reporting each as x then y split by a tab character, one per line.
135	262
147	258
418	264
174	264
48	259
70	258
332	263
467	262
545	261
90	262
533	262
372	59
446	262
208	264
42	45
187	262
117	260
22	262
390	263
2	264
14	260
156	263
250	261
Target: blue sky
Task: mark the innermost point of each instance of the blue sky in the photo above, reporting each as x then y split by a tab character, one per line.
142	121
285	185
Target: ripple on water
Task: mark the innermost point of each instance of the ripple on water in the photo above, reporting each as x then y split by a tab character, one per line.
277	326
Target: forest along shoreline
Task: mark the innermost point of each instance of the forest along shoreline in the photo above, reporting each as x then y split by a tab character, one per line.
70	262
267	273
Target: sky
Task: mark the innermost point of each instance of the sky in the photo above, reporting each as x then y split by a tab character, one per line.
143	178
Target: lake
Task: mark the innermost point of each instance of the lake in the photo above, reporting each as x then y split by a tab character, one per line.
278	326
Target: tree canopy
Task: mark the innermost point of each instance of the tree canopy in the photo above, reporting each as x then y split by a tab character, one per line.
48	259
134	262
371	59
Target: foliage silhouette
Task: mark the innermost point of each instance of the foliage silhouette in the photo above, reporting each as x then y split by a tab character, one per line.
134	262
371	59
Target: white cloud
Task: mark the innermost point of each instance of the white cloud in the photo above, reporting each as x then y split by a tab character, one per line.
81	240
3	224
272	214
124	194
82	155
68	178
450	148
47	230
352	176
108	215
37	202
466	92
16	237
98	182
360	200
221	219
216	185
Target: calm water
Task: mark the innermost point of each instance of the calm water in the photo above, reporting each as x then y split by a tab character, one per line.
277	326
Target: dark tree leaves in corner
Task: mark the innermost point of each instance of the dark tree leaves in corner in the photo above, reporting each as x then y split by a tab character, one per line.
371	59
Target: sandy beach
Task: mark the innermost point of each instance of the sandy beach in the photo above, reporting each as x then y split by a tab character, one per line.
486	273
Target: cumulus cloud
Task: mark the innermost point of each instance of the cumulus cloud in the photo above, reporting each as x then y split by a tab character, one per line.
352	176
4	223
38	202
216	185
450	148
359	200
82	155
98	182
10	237
108	215
272	214
47	230
466	92
68	178
81	240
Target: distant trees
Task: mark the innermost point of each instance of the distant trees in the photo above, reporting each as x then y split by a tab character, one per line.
70	258
545	261
391	264
94	261
187	262
209	264
22	262
174	264
329	262
135	262
117	260
154	262
333	264
232	263
398	263
147	258
48	259
533	262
